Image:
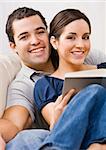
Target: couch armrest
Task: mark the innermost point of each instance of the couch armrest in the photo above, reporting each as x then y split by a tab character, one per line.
9	66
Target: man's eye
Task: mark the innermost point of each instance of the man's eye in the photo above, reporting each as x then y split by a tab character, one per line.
40	32
23	37
86	37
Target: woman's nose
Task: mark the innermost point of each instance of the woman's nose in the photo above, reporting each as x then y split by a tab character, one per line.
79	43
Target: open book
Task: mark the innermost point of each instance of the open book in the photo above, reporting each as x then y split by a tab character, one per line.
81	79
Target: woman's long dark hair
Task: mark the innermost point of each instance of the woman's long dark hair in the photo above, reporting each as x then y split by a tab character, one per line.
57	25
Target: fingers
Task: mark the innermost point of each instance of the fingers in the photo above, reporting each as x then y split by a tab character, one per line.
67	97
2	143
59	106
62	101
97	146
59	99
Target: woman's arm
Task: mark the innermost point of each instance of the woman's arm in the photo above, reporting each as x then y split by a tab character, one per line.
52	111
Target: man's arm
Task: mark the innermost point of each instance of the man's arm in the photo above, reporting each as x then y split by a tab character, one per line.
15	119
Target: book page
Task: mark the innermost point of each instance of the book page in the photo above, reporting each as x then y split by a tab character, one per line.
87	73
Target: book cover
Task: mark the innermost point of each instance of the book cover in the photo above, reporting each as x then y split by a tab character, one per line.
81	79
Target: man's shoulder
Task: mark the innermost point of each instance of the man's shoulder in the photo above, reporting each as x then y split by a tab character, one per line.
22	79
25	78
21	86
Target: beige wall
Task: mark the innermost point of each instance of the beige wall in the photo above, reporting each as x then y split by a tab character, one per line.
94	10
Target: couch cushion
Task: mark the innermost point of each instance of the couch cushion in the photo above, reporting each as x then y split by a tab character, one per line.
9	66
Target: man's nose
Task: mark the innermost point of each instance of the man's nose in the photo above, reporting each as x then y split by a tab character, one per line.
35	40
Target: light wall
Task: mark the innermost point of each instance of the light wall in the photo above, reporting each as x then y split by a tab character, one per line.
94	10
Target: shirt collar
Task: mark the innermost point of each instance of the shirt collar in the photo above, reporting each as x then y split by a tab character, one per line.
30	73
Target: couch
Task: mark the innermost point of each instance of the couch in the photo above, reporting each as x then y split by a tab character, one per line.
10	64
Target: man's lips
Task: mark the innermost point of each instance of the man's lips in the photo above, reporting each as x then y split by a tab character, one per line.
36	50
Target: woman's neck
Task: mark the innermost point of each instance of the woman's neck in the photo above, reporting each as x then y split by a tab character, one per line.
60	72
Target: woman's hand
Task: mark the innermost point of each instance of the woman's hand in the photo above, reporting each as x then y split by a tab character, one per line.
97	146
59	105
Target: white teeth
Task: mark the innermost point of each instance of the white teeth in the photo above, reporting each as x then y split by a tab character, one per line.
78	52
36	50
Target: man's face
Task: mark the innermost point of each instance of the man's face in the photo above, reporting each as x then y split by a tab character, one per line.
31	41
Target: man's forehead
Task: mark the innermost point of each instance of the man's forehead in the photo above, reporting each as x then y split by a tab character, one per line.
32	20
27	24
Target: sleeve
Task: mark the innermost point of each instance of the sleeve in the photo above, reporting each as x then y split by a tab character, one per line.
102	65
20	93
44	93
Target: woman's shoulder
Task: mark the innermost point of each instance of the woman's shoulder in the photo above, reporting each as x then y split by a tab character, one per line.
89	67
98	66
47	80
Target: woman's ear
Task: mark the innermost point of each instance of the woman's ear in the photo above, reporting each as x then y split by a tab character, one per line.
54	42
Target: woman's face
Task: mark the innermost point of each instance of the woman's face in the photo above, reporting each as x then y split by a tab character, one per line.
73	44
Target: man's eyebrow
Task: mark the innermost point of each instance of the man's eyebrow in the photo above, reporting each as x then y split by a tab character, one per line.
39	28
22	34
44	28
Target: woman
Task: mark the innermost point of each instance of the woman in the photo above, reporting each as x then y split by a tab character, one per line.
85	113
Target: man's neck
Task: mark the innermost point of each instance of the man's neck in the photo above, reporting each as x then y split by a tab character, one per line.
45	67
48	68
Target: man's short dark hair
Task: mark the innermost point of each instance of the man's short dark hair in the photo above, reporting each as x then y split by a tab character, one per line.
18	14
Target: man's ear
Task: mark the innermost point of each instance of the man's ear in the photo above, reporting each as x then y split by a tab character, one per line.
13	47
54	42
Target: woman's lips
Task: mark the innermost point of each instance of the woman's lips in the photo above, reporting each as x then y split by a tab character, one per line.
78	54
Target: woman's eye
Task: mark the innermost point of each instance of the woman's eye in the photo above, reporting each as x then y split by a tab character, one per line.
71	37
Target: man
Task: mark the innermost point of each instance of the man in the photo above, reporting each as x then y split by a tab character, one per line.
28	37
27	33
